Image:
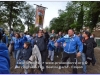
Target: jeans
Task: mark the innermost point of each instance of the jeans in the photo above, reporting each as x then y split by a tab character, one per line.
16	54
24	64
51	55
83	62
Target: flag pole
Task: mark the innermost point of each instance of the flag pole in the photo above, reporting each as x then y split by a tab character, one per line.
41	6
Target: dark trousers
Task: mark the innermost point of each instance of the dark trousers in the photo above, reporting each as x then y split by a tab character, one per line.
93	61
58	50
72	58
44	56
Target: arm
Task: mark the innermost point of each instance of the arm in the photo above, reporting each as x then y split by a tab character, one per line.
6	39
32	42
52	45
20	41
35	40
60	40
12	40
48	45
25	38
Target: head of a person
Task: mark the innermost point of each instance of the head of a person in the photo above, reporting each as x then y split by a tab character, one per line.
56	35
53	31
21	34
86	34
17	35
77	33
93	35
26	45
13	34
44	31
40	33
1	33
52	38
70	32
34	35
60	33
63	34
28	33
25	33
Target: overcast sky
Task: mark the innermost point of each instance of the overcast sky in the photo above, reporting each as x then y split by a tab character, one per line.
52	10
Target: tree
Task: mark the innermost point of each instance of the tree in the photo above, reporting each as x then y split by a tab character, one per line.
56	24
95	12
10	11
19	28
80	18
33	29
76	15
47	29
28	15
65	19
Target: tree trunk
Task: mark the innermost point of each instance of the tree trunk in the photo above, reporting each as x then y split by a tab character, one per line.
10	17
28	28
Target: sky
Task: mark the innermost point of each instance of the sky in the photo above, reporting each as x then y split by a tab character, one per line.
52	10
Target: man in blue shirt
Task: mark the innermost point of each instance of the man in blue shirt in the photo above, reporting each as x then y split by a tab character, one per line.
70	42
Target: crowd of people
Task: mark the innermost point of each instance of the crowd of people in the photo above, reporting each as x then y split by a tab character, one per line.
71	45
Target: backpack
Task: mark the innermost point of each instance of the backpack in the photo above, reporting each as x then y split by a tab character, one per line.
94	43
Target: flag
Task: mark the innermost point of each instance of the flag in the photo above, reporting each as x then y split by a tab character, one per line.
40	12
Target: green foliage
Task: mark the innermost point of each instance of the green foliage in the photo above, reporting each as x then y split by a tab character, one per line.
80	19
28	15
10	13
77	14
16	14
47	29
19	28
33	29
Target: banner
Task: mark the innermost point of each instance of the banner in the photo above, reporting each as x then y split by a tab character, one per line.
40	12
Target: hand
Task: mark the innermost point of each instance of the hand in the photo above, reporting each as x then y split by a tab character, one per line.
64	44
56	44
78	54
12	42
